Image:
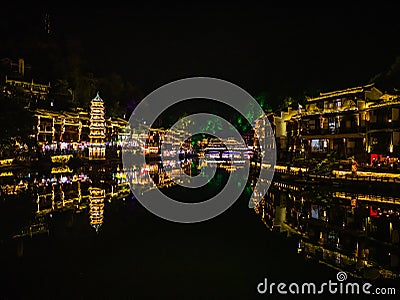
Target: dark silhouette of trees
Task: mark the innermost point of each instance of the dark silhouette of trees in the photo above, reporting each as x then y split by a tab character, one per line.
389	80
16	125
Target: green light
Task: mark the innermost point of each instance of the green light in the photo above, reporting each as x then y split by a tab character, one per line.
248	190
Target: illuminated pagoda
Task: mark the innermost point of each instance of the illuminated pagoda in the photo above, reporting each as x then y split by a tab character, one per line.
97	147
96	205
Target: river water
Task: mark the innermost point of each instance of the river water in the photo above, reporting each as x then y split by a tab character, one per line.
59	241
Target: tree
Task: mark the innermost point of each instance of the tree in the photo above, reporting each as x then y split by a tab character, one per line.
61	94
389	79
16	123
112	88
85	89
287	102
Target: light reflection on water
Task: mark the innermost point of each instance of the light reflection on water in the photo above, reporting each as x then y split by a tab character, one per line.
348	230
345	229
44	193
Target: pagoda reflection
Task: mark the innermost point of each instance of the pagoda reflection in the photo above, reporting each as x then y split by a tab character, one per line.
96	207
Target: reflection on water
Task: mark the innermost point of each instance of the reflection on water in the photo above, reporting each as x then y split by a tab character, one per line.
345	229
37	196
42	194
96	204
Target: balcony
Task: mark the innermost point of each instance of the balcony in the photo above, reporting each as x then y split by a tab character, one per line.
340	130
388	124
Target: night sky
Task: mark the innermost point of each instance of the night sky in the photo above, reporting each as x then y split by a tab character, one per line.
281	50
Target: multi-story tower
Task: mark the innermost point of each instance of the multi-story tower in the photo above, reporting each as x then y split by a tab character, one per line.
97	147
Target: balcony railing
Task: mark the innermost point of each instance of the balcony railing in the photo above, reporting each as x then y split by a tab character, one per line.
324	131
384	125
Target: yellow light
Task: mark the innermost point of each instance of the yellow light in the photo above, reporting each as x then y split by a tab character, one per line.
62	169
61	158
6	174
6	161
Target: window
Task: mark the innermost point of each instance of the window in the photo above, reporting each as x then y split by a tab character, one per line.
319	145
338	103
312	124
333	125
395	114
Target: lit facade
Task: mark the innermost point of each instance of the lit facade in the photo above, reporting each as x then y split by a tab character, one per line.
280	130
336	122
383	134
19	84
71	130
30	89
97	146
57	130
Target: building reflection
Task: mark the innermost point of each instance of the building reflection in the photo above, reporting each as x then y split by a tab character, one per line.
96	207
88	189
353	231
345	226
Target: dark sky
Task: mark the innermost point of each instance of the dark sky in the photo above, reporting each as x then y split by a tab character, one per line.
283	50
